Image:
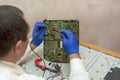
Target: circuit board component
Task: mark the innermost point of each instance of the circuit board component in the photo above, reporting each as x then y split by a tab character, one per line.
52	42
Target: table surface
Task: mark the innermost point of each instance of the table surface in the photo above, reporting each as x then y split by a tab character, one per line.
97	61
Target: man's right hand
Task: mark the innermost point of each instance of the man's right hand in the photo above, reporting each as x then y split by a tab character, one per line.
70	43
38	35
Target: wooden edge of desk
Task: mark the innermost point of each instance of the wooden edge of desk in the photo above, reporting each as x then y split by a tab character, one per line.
106	51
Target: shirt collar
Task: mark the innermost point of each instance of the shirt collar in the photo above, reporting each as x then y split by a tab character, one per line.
12	66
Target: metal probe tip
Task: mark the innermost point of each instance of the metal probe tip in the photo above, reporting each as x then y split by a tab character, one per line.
56	30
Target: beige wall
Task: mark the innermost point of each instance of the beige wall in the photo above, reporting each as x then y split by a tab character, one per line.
99	19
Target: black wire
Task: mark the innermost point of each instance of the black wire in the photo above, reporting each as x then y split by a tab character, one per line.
35	52
53	76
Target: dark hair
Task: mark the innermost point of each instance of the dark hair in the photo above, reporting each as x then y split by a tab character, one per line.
13	28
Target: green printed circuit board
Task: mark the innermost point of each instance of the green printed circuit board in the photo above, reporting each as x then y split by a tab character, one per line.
53	50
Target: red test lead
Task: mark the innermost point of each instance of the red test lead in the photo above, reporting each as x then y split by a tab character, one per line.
56	30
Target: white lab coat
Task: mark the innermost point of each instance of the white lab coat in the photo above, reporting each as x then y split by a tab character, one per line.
11	71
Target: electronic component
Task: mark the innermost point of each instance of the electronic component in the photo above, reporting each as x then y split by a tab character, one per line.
51	66
52	41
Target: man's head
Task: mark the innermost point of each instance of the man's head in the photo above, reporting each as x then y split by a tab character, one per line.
13	31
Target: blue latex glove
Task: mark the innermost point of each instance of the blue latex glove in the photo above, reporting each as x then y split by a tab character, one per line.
38	33
70	43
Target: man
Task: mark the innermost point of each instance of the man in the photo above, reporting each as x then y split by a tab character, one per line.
13	43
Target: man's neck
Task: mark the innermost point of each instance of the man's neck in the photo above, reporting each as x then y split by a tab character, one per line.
9	58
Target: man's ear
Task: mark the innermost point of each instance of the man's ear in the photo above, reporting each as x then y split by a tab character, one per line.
18	47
